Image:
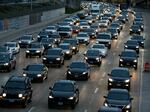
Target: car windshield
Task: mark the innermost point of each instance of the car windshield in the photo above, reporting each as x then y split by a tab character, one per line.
98	46
64	29
92	53
54	36
11	44
64	46
35	46
120	73
46	40
132	42
112	30
137	37
83	23
115	25
3	49
51	28
116	95
4	57
43	33
128	54
64	87
72	42
53	52
15	85
103	36
82	35
26	38
88	30
35	67
78	65
135	27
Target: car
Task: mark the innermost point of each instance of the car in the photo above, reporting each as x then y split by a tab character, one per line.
139	23
104	38
65	31
63	92
56	37
67	50
13	46
95	27
26	40
84	25
102	49
17	90
119	78
119	98
51	29
54	56
5	49
117	26
91	32
135	29
35	49
109	109
122	18
76	29
113	32
138	38
69	20
128	58
103	23
78	70
93	57
7	62
43	34
132	44
74	44
83	38
36	72
81	15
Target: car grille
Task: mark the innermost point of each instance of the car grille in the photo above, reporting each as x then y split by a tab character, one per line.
12	96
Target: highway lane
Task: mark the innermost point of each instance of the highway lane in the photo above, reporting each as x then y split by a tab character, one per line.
91	91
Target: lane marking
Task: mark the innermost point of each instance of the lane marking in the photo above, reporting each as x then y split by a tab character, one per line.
104	74
96	90
32	108
85	110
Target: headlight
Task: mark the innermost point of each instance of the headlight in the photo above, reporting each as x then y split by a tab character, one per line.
130	29
125	46
111	80
135	60
139	30
105	104
24	75
121	59
67	52
128	106
97	58
69	72
4	94
39	75
73	47
55	40
19	41
127	80
142	42
44	58
37	51
137	46
70	98
38	36
142	26
84	72
57	58
27	51
86	58
20	95
6	64
50	96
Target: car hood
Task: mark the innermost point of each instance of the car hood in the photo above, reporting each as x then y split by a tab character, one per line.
13	91
32	72
62	94
51	56
128	58
120	78
34	49
77	70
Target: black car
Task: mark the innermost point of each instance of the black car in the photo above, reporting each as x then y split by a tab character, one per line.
132	44
117	26
119	78
128	58
5	49
139	38
36	72
35	49
113	32
56	37
67	50
119	98
91	32
140	23
81	15
26	40
7	62
109	109
18	90
63	92
43	34
78	70
135	29
74	44
54	56
122	19
93	56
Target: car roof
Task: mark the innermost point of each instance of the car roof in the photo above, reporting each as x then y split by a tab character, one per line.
17	78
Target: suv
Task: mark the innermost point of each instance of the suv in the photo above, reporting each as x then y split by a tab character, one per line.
119	78
18	90
54	56
65	31
63	92
104	38
7	62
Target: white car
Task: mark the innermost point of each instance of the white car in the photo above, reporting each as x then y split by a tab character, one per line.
84	25
13	46
102	48
83	38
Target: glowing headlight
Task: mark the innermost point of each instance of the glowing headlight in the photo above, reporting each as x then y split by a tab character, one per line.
19	41
111	80
73	47
37	51
135	60
130	29
125	46
97	58
20	95
121	59
55	40
128	106
127	80
27	51
69	72
106	104
4	94
24	75
57	58
86	58
70	98
44	58
38	36
142	42
84	72
50	96
137	46
67	52
39	75
139	30
6	64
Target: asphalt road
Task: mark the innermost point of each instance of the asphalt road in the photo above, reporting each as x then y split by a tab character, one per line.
91	91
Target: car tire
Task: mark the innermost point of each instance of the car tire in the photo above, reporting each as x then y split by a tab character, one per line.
40	56
135	67
73	106
26	56
63	62
24	104
49	105
14	67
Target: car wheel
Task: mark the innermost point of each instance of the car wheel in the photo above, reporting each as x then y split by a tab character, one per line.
24	104
40	56
9	69
73	106
26	56
49	105
14	67
63	62
135	67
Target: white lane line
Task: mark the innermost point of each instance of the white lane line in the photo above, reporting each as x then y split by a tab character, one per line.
32	108
104	74
114	54
109	63
141	82
96	90
85	110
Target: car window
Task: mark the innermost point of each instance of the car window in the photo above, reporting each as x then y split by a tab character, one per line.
65	87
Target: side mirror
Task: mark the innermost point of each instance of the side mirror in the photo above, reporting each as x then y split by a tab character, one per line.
137	55
105	96
131	98
24	68
119	55
108	74
67	66
50	88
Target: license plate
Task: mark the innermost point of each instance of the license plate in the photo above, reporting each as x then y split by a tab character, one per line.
76	75
128	63
118	84
11	100
60	103
50	62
